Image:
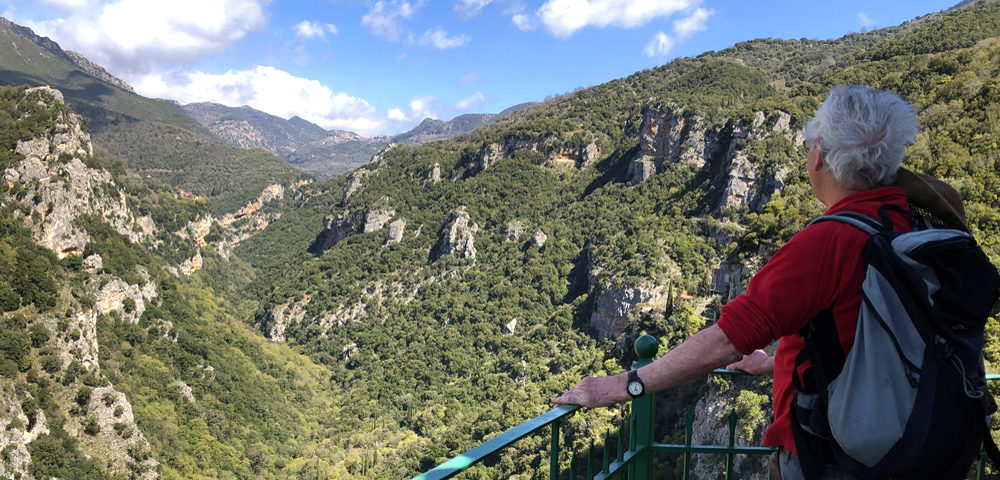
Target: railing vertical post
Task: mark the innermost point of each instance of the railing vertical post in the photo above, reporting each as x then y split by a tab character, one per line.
732	444
554	453
631	443
590	461
688	435
643	408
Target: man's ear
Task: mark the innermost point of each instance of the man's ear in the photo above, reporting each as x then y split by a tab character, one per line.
820	163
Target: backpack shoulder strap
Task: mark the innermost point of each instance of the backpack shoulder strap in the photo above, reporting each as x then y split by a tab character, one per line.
857	220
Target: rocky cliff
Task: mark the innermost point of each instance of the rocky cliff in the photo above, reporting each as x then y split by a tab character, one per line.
55	190
55	187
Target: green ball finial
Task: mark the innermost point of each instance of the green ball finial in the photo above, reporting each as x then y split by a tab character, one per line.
646	347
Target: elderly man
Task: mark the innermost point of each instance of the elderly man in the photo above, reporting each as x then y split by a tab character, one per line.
856	143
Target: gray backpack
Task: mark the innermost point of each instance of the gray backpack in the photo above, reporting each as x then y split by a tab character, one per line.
910	399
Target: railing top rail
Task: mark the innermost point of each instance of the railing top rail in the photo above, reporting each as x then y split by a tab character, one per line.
495	444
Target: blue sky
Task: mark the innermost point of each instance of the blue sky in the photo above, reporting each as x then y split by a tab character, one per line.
381	66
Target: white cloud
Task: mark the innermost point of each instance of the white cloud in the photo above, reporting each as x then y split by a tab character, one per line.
474	101
129	36
66	4
684	28
524	22
564	17
419	109
866	22
385	18
396	114
306	29
440	40
470	8
659	46
270	90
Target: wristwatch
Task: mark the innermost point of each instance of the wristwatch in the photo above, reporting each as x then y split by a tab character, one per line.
635	386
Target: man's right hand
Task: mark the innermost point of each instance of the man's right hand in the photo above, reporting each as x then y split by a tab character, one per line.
757	363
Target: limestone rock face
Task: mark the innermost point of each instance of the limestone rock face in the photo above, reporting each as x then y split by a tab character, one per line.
376	219
459	236
16	434
614	306
489	155
396	229
281	316
539	238
355	180
339	227
575	157
508	328
129	300
58	187
93	264
434	176
711	428
641	169
515	228
192	264
109	444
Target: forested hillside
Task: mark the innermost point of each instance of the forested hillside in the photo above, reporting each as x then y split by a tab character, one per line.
418	330
374	324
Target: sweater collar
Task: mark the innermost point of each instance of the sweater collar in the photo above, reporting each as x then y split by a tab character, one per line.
875	196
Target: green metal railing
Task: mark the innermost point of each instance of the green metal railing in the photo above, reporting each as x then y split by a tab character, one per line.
633	462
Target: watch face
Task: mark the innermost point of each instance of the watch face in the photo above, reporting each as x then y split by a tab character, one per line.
635	388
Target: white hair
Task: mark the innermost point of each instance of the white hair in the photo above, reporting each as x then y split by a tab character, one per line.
862	133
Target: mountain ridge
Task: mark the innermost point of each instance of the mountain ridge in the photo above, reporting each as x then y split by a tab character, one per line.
319	151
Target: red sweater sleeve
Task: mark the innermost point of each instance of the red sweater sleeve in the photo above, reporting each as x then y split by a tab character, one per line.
799	281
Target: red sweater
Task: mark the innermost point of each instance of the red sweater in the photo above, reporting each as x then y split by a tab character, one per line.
819	268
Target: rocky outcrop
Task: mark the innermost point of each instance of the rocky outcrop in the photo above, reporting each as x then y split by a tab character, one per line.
128	300
338	227
669	135
434	176
58	187
614	306
191	265
538	238
281	316
396	229
515	228
16	431
488	155
355	180
672	135
640	169
376	219
509	327
556	155
575	157
727	280
458	236
711	428
118	434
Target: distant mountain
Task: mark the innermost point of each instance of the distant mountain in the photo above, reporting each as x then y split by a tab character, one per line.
321	152
246	127
152	138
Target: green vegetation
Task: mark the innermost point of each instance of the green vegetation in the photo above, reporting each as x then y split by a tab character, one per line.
397	357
